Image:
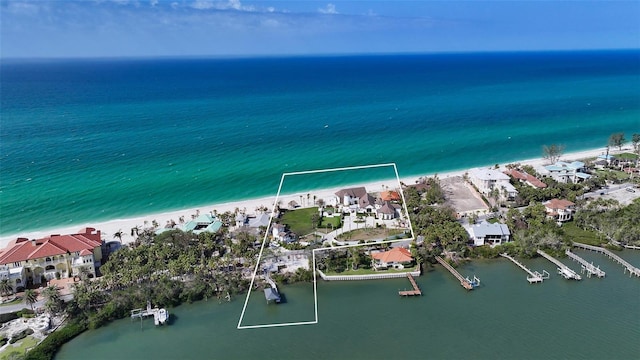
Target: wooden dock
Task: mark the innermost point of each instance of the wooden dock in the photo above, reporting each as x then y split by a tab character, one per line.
563	269
416	290
589	268
465	282
632	269
534	276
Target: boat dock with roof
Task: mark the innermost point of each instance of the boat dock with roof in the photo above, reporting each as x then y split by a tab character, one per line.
271	293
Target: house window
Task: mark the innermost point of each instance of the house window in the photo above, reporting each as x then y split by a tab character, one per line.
49	267
18	281
48	259
17	263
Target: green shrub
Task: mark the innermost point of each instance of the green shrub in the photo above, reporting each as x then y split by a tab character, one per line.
8	317
21	335
48	347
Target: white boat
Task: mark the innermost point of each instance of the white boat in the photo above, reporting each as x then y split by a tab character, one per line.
163	316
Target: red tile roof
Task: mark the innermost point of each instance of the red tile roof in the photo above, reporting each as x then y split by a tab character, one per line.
23	249
555	204
395	255
389	196
534	181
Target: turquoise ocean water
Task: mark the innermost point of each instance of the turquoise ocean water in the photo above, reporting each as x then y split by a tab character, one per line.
85	140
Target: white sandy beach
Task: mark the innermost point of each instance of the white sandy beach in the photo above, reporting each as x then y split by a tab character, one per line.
109	228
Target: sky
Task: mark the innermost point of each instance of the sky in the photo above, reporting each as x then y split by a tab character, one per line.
212	28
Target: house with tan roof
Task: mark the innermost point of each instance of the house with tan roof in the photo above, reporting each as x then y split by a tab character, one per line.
33	262
559	209
398	258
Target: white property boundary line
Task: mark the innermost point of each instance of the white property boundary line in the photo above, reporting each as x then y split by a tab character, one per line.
315	285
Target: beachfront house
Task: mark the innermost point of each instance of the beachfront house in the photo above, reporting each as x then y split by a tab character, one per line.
526	178
486	233
397	258
202	223
565	172
33	262
388	211
488	181
354	200
559	209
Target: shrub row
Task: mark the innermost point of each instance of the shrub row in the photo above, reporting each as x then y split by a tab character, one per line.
48	347
21	335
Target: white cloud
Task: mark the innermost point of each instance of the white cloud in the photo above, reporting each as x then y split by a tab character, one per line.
329	9
153	2
221	5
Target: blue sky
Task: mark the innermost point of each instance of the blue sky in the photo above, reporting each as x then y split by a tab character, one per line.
117	28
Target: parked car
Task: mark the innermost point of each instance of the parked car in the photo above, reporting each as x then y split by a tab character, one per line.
630	189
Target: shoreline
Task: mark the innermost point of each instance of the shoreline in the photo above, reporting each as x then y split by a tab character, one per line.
249	206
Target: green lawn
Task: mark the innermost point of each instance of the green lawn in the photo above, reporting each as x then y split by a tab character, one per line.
626	156
574	233
368	234
620	175
328	221
18	348
299	220
14	301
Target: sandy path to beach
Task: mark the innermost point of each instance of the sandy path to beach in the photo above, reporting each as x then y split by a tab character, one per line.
109	228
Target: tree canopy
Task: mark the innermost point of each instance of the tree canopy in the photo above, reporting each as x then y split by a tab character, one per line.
552	152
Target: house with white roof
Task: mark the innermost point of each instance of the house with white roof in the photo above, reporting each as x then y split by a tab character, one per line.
488	180
486	233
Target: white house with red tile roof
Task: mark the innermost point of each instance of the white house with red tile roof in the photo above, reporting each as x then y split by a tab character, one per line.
526	178
32	262
559	209
396	257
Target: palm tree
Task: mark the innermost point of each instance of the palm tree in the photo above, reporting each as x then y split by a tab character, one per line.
52	296
5	287
118	235
30	297
83	273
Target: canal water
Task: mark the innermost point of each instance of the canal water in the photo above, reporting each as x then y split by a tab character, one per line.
505	318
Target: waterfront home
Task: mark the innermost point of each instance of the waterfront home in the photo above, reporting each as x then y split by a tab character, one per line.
33	262
486	233
202	223
280	233
489	180
260	220
398	258
354	200
559	209
388	211
565	172
526	178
